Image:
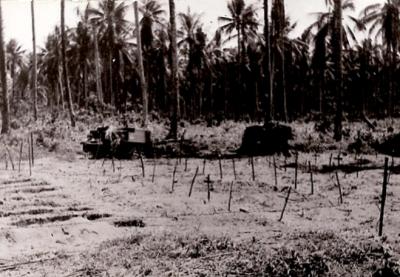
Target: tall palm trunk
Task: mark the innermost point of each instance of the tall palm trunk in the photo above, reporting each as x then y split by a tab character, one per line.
278	16
85	84
3	78
64	65
143	82
269	107
337	38
13	96
174	72
97	65
34	67
392	53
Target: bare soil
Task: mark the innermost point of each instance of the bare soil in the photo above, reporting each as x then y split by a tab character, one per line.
80	217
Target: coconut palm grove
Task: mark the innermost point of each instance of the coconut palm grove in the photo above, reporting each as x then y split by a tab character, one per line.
143	141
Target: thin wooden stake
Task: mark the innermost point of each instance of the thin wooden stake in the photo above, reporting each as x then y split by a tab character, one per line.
10	157
142	164
230	197
295	169
174	181
113	163
20	156
284	206
5	161
252	168
208	181
234	168
330	159
220	167
154	171
340	188
285	163
204	166
186	163
383	200
29	157
311	178
193	180
275	173
32	155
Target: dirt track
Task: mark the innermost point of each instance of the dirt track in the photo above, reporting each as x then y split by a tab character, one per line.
69	207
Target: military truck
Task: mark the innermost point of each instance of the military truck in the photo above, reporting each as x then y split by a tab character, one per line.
120	143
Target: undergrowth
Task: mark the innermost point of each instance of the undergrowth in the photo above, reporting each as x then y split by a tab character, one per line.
304	254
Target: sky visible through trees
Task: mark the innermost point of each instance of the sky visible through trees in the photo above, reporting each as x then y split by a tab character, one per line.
17	14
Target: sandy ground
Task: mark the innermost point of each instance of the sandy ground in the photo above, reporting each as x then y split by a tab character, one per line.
67	207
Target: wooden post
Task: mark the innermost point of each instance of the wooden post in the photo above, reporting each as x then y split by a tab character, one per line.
330	159
20	156
204	166
338	159
295	169
113	163
230	197
285	163
284	206
5	161
186	162
315	158
32	155
154	171
340	188
234	168
208	181
311	178
143	82
193	180
220	167
275	173
383	200
252	168
10	157
174	181
142	164
29	157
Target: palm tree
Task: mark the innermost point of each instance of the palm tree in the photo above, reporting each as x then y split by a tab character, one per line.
337	44
278	34
3	78
151	23
242	20
143	82
192	43
83	43
51	68
34	68
15	60
384	20
109	20
151	14
268	76
64	65
324	28
174	73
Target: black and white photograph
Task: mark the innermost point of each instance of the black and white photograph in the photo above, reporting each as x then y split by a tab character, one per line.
199	138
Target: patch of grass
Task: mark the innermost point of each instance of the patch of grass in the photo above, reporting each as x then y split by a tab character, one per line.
41	220
36	190
30	212
130	223
307	254
92	217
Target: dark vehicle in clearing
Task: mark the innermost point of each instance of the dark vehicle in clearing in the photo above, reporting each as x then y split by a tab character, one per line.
120	143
